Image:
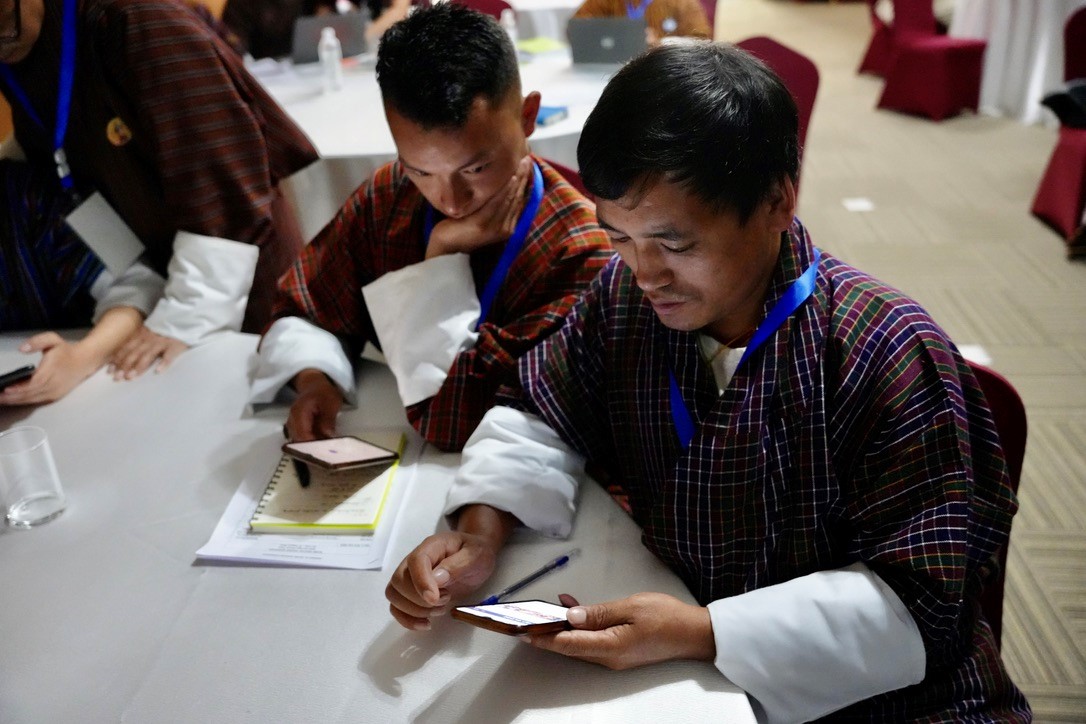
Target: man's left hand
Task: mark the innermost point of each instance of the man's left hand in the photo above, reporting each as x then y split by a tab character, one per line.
63	366
141	350
645	628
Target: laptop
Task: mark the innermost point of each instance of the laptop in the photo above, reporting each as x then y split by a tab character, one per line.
350	29
605	40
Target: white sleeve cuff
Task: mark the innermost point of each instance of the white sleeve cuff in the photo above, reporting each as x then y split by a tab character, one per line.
515	462
293	344
424	316
817	643
139	287
207	288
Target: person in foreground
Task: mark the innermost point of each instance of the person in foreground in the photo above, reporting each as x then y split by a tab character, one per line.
455	259
800	443
139	105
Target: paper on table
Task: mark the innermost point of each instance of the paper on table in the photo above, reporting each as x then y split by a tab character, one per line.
233	541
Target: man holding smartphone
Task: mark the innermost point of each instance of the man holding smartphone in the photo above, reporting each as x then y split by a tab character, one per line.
455	259
800	443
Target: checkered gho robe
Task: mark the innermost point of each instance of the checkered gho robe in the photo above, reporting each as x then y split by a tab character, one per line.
380	229
207	144
857	433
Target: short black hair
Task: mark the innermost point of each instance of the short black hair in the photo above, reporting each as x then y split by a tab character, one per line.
706	115
432	65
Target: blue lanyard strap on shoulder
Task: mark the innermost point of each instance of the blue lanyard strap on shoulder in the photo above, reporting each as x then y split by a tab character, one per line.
786	306
512	247
64	92
637	11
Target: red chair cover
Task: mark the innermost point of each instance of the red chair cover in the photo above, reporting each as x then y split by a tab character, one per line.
571	176
492	8
1074	46
876	59
929	74
710	12
798	73
1009	415
1061	196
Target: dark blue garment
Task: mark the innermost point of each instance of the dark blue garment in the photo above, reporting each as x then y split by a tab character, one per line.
46	270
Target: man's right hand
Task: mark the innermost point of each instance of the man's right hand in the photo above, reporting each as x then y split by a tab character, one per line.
313	414
448	566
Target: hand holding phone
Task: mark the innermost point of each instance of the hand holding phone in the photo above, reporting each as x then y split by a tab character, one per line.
10	378
340	453
516	618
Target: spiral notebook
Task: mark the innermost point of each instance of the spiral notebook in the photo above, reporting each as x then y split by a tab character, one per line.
335	503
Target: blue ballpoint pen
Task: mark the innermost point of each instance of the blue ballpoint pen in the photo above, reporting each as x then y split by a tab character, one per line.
552	566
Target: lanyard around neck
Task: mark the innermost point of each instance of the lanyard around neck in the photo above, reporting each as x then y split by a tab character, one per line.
512	247
637	12
64	93
800	290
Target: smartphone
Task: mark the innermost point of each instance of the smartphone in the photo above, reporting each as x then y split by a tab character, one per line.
340	453
10	378
516	618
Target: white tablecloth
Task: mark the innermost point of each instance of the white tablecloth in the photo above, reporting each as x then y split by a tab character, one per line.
351	134
1024	59
106	617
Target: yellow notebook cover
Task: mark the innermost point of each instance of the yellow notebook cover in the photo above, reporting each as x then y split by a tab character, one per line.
335	503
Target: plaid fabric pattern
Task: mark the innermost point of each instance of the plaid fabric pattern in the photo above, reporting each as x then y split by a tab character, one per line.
208	145
46	270
857	433
380	229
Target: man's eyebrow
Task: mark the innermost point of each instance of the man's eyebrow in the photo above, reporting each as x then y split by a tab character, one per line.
471	162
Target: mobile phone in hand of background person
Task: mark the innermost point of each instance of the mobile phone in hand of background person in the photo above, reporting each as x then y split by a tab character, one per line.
10	378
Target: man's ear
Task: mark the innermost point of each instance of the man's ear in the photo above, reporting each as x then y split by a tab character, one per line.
529	111
781	205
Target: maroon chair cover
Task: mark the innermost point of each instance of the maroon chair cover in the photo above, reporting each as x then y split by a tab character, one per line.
798	73
492	8
709	6
929	74
877	58
571	176
1009	415
1061	196
1074	46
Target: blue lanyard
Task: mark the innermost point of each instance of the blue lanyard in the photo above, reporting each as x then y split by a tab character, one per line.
785	307
64	93
637	12
512	247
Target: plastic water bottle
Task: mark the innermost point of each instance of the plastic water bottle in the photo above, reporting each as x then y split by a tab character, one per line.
330	53
508	22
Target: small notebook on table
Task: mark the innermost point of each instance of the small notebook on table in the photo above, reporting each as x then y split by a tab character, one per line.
334	503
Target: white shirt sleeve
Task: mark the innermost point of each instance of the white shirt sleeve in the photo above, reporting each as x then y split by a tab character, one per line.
139	287
207	288
293	344
515	462
424	315
817	643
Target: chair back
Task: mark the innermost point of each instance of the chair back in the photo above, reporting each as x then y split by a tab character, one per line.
797	71
493	8
1009	415
913	18
571	176
1074	46
709	6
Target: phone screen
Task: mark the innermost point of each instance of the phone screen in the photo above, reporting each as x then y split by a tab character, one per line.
340	452
515	617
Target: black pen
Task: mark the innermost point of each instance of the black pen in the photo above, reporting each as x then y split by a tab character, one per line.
300	468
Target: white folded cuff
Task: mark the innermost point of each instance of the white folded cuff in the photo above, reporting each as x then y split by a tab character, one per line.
515	462
207	288
424	315
293	344
816	644
138	287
